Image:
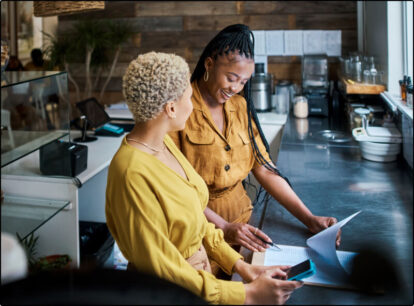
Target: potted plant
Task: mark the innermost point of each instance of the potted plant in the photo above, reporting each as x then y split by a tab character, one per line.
46	263
93	42
51	262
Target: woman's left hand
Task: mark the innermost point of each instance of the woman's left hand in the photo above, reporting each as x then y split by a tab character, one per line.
319	223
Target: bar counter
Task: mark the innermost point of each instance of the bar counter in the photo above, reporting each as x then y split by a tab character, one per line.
332	179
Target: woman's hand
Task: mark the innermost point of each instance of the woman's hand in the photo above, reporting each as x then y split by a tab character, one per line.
245	235
250	272
318	224
267	290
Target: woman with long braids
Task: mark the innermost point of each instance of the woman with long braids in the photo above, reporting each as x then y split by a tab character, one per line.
223	141
155	199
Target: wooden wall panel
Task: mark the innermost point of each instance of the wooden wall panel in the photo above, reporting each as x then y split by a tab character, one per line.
185	28
216	23
297	7
143	24
185	8
326	22
191	39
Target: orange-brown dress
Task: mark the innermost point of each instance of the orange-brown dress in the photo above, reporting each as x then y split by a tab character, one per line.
223	161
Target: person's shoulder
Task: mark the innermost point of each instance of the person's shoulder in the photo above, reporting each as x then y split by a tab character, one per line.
29	65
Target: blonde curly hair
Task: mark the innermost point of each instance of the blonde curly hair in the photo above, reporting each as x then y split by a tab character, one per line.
151	80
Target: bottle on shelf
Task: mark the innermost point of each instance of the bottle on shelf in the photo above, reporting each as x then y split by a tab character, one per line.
403	87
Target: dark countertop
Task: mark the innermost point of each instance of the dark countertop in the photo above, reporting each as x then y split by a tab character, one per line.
333	180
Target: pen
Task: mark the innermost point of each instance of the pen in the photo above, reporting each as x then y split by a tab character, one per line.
269	243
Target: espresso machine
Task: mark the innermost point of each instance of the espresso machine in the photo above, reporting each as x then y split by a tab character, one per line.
315	84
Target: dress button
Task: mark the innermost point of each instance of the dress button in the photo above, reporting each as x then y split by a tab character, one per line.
227	148
227	167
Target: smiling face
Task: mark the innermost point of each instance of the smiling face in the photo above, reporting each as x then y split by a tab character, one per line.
227	76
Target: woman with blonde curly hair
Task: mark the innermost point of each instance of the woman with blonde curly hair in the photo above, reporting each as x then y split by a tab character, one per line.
155	199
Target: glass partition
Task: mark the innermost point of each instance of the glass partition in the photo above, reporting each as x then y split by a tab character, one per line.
35	111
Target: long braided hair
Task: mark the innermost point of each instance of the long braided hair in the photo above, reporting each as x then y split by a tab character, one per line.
238	37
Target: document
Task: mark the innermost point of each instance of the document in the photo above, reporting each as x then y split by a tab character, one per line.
332	267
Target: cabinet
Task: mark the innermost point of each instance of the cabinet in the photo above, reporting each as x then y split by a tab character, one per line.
85	193
49	206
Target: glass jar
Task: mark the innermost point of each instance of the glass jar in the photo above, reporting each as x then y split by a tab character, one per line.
300	107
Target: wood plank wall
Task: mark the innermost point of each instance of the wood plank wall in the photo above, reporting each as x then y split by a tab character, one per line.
185	28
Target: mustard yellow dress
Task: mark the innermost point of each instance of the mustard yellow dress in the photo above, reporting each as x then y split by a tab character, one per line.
222	160
156	217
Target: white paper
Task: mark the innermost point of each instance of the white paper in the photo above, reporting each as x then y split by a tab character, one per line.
261	59
324	242
332	266
293	42
274	42
122	105
119	111
313	42
332	42
259	42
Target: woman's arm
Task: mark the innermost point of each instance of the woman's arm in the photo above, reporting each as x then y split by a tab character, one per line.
142	231
270	278
279	189
265	284
239	233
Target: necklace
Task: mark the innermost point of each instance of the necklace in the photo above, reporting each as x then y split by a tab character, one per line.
146	145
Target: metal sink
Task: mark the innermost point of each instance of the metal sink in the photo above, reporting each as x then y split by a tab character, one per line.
332	136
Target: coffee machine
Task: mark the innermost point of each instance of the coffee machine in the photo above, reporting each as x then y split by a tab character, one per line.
262	89
315	84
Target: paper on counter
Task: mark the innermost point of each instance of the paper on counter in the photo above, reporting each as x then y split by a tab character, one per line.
324	242
332	266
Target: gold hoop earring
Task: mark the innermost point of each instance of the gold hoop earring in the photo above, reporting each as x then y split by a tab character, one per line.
205	76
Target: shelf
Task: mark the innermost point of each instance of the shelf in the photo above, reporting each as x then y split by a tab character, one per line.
25	215
35	111
351	87
12	78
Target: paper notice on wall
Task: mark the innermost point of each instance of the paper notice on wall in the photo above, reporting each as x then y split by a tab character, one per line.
259	42
313	42
293	43
261	59
332	42
274	42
